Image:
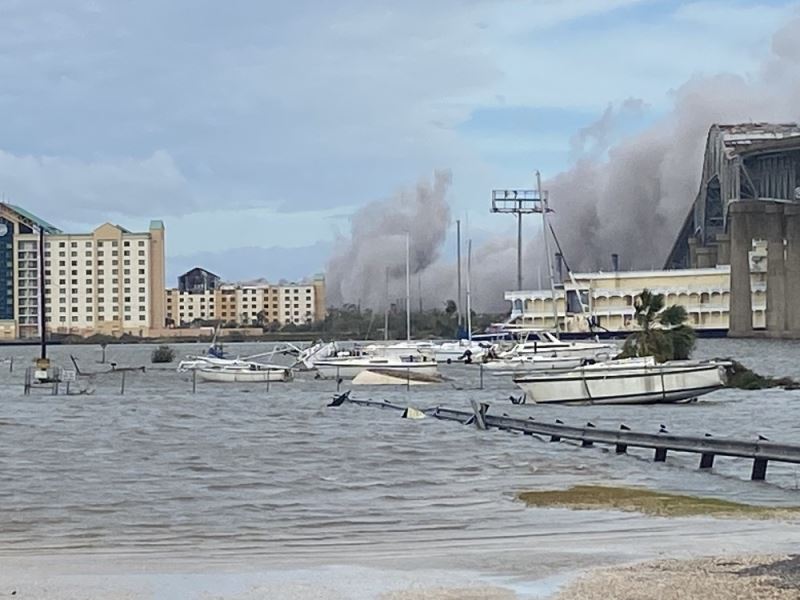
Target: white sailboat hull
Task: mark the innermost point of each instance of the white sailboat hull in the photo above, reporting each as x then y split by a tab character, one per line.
242	375
642	385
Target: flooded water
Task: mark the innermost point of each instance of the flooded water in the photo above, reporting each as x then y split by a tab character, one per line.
236	488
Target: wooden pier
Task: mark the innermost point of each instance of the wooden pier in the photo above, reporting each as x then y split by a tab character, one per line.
761	452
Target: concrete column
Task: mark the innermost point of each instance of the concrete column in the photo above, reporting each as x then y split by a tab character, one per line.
723	249
792	286
776	276
741	305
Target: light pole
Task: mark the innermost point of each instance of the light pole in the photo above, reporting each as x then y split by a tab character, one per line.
519	202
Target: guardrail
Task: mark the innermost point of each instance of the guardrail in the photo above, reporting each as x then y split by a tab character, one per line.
761	452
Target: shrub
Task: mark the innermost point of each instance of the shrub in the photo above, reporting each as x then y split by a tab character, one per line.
162	354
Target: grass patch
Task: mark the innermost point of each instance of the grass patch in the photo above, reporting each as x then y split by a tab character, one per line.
661	504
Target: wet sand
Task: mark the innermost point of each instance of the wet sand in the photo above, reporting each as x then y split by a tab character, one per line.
723	578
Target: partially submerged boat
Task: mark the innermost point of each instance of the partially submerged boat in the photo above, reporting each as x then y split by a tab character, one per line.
378	376
347	367
630	381
244	373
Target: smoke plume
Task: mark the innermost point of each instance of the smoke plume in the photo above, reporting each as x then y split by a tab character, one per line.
357	270
628	198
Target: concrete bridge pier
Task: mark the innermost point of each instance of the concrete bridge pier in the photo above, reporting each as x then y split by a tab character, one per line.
779	224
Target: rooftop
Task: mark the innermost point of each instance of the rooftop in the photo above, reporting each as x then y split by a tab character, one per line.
33	219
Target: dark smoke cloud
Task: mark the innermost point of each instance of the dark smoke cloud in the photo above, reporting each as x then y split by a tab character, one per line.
628	197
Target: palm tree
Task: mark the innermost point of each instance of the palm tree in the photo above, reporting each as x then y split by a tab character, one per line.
663	333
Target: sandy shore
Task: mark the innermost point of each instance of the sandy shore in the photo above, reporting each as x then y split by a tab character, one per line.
742	578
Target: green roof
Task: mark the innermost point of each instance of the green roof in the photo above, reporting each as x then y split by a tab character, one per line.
48	228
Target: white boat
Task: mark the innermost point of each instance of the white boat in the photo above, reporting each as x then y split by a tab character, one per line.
401	350
635	381
450	352
533	362
252	373
349	366
315	352
540	342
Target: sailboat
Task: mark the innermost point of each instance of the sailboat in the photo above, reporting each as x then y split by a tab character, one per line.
464	350
43	371
397	363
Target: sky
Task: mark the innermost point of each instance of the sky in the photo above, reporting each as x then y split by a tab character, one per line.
256	129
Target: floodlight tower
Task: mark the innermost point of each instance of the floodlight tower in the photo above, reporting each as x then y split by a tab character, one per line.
521	202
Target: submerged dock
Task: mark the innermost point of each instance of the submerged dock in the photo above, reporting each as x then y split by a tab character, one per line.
761	452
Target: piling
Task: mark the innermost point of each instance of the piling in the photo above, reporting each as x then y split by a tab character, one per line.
11	365
759	469
706	460
481	375
122	385
408	379
194	381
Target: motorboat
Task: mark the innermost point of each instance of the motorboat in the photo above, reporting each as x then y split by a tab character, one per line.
347	367
461	351
244	373
628	381
534	362
542	342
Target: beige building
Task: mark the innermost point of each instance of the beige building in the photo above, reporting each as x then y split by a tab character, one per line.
249	304
109	281
608	297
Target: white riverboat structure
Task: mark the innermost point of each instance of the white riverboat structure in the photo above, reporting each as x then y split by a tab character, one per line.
631	381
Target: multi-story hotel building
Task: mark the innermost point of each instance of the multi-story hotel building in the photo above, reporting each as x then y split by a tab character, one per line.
109	281
607	298
249	304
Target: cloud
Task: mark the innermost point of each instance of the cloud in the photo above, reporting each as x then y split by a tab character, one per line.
75	190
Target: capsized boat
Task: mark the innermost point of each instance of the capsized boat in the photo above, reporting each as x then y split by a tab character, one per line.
244	373
378	376
630	381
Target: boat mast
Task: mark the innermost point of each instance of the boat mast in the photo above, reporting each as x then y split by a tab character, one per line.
386	310
42	298
408	289
545	208
458	254
469	291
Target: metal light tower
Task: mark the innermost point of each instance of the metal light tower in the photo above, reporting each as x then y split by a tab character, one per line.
520	202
